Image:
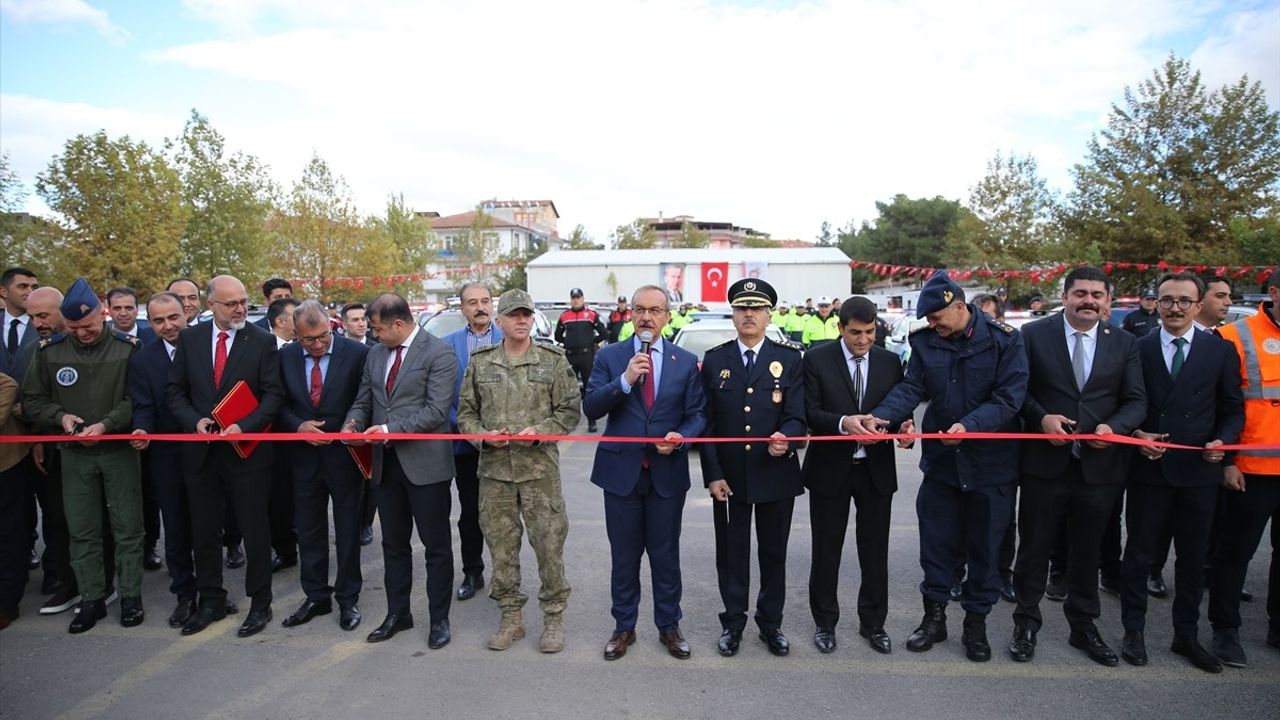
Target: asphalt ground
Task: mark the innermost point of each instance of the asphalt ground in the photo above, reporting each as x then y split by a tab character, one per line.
319	671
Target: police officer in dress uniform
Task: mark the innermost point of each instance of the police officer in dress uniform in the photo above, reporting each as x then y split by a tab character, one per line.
754	388
973	371
78	381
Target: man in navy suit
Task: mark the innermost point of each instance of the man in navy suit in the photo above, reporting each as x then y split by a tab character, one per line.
148	376
273	290
1193	398
321	374
648	389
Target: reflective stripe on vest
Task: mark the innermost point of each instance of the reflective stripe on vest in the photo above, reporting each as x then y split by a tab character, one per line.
1252	368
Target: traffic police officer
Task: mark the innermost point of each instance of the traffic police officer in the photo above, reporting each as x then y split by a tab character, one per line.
973	372
754	388
78	381
823	326
521	387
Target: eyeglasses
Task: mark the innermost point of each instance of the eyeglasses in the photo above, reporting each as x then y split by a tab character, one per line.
654	311
242	302
314	338
1183	303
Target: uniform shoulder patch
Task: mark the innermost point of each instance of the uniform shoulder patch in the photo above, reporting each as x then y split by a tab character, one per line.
789	344
125	337
1005	327
726	343
549	347
52	340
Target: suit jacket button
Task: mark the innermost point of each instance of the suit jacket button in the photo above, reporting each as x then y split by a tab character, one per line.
750	390
748	428
748	448
746	409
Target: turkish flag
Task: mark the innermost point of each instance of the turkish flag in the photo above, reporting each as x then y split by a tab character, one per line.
715	282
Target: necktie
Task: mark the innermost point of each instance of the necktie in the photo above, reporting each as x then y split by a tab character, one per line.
220	359
395	370
1178	357
647	390
857	383
317	382
13	336
751	361
1077	360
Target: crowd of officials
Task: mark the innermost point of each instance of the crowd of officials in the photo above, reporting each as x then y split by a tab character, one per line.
80	365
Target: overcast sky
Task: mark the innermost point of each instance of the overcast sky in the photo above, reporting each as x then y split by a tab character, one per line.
770	114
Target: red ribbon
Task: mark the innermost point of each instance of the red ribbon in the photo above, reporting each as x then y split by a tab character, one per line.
293	437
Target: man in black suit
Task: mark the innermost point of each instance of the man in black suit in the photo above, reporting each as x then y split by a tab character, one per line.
273	290
1193	398
754	388
321	374
1086	378
211	358
842	380
149	371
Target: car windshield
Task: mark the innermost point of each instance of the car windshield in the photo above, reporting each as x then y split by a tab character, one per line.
445	323
698	340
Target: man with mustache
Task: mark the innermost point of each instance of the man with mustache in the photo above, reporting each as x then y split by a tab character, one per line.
1083	378
1193	399
481	331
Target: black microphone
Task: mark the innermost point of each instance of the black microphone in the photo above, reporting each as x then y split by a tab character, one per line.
646	341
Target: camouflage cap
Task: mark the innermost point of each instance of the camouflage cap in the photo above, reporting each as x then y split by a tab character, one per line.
513	300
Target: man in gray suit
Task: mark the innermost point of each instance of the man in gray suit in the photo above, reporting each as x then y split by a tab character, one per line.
407	386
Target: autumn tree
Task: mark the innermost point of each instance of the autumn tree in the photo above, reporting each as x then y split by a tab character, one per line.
121	208
580	239
636	235
691	237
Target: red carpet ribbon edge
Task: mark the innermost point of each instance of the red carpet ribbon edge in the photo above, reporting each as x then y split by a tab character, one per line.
288	437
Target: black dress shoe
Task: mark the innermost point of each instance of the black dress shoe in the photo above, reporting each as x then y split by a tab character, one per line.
730	641
1056	588
974	638
88	613
825	640
309	610
439	634
279	562
1155	585
878	639
389	627
1134	648
182	612
1023	645
470	584
131	613
235	557
255	621
1007	590
151	560
204	617
618	644
673	640
932	629
776	641
591	427
1094	646
366	536
1191	649
1246	596
348	617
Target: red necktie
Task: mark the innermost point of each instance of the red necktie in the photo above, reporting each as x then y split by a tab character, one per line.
646	390
316	383
395	370
220	359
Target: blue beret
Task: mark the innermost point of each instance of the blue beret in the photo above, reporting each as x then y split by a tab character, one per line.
752	292
938	292
80	301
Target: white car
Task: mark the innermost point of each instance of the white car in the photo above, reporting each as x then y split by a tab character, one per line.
700	336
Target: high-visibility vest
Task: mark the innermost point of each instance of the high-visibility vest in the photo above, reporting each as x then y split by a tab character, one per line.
815	328
1257	341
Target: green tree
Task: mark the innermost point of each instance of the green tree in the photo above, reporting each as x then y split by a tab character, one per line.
691	237
514	273
478	243
122	209
410	242
1174	166
825	237
637	235
907	232
580	239
229	198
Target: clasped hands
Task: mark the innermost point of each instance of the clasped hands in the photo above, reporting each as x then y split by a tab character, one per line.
872	425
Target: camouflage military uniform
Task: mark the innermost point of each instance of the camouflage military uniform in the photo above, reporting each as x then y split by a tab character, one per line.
67	377
499	392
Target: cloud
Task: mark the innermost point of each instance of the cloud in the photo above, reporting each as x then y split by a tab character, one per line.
1247	41
64	12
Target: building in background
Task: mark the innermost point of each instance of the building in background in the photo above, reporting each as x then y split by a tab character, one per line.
473	245
720	235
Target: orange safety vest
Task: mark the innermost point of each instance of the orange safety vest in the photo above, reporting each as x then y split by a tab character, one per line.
1257	341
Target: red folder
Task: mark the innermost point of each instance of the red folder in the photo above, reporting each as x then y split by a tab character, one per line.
236	406
363	455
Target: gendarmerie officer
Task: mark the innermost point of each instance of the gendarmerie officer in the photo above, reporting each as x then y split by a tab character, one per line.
754	388
973	372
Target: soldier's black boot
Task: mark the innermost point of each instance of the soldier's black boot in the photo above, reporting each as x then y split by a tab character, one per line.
976	647
933	627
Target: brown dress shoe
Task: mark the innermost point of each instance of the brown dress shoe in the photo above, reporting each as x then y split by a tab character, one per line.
673	640
618	644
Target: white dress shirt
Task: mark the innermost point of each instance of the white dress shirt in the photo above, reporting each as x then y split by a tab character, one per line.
213	343
24	323
1168	349
391	359
851	366
742	351
171	349
1090	346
